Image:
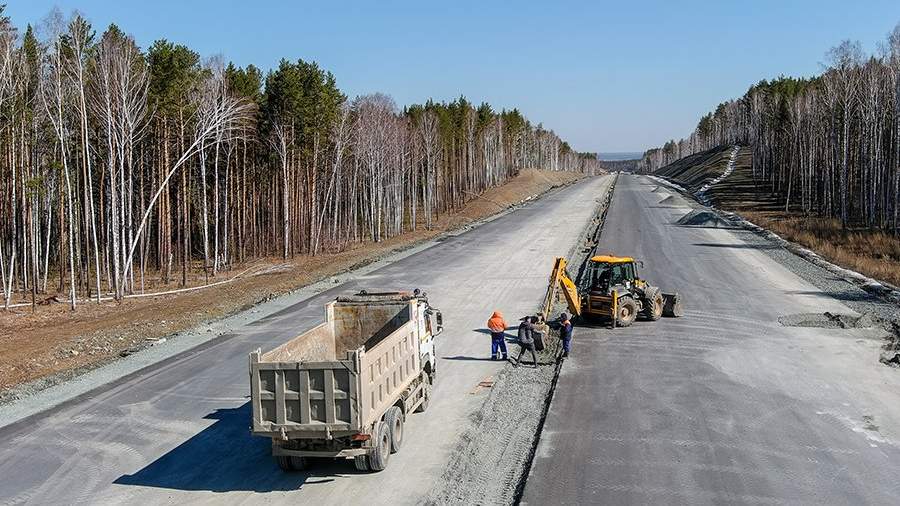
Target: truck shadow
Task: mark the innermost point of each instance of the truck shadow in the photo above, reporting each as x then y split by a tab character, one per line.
224	457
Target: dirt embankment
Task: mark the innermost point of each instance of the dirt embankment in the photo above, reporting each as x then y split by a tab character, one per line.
869	252
56	343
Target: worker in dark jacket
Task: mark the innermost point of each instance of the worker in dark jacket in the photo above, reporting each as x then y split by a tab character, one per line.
526	340
565	333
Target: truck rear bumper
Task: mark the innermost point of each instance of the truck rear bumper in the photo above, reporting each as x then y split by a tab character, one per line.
347	453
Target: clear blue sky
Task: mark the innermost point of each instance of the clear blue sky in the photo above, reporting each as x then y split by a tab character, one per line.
607	76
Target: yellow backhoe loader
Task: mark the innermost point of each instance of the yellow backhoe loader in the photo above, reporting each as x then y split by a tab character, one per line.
610	289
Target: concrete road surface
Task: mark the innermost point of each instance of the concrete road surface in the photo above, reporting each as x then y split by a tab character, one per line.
178	431
724	405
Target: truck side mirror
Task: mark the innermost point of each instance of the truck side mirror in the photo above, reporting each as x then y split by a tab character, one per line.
439	318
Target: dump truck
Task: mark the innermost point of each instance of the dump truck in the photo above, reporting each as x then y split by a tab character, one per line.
344	388
610	289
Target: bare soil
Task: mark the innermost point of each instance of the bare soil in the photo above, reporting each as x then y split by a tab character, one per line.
55	340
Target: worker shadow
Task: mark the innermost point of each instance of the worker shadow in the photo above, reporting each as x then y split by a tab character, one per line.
467	358
225	457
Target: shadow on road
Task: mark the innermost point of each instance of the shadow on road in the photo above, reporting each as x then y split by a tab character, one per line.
463	357
224	457
737	246
845	295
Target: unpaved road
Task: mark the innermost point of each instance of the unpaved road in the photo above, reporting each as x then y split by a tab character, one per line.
724	405
178	431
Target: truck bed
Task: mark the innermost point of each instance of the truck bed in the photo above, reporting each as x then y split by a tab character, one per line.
340	376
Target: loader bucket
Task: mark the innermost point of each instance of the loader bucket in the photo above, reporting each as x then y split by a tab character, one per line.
672	305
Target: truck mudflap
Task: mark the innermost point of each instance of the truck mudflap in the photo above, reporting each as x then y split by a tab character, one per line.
347	453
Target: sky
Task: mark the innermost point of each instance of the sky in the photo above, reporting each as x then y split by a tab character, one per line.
606	76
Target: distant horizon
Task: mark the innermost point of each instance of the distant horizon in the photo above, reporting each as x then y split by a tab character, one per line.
618	156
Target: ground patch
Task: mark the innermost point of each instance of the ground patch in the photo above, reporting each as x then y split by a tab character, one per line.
703	218
827	320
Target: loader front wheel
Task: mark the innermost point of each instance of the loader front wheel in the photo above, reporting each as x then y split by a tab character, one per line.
655	309
626	312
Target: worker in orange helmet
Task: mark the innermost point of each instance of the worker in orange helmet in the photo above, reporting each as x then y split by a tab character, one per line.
497	326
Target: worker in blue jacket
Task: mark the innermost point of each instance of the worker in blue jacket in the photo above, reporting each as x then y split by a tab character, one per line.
565	333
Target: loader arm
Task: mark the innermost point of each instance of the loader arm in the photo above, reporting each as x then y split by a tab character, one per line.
560	279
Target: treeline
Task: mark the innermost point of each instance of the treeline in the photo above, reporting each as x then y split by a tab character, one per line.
829	145
118	163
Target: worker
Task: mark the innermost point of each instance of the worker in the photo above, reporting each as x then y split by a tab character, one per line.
526	340
565	333
497	326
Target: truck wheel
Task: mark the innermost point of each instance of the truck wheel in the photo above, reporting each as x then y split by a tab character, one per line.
378	459
361	462
284	462
288	463
626	312
394	420
426	395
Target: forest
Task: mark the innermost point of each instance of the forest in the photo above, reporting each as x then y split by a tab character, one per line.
828	145
120	164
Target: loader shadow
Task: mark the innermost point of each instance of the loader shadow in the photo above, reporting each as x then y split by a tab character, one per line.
224	457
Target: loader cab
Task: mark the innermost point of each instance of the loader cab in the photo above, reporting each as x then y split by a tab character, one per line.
609	272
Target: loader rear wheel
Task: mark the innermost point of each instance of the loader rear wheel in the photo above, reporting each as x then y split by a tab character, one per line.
655	309
394	420
378	459
626	312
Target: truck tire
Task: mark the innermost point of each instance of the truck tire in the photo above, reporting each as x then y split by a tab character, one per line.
626	312
426	395
378	459
394	420
289	463
361	462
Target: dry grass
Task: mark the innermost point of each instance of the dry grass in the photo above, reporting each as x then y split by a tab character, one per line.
873	253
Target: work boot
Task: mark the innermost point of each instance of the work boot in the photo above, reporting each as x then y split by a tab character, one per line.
565	354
